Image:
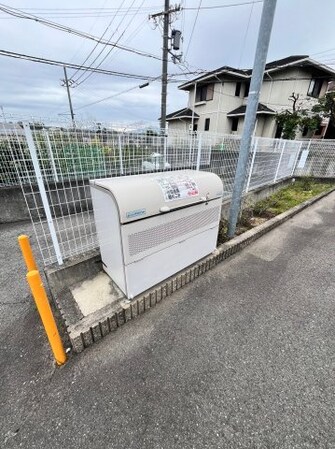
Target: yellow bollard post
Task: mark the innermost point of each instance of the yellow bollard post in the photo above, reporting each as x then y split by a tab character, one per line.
27	252
44	309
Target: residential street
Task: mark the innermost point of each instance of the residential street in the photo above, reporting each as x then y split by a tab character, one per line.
241	358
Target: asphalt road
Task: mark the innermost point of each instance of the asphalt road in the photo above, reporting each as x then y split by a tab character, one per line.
241	358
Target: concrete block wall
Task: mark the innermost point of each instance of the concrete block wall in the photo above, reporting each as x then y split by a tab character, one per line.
14	208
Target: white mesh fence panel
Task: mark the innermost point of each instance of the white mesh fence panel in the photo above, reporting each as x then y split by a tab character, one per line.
68	158
265	162
12	138
317	158
223	162
287	159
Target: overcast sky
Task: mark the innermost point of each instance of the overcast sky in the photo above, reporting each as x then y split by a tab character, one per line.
224	36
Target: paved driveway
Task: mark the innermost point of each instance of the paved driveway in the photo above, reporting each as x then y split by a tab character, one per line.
241	358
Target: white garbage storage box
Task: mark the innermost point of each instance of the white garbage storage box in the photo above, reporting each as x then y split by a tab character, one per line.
151	226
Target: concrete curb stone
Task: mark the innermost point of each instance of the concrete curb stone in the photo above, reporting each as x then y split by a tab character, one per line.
81	339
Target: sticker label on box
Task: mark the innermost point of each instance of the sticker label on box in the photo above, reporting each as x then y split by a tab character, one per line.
136	213
178	187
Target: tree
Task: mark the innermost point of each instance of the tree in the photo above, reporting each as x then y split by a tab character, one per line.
325	107
297	118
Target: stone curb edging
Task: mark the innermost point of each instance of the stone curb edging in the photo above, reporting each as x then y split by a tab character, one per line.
97	329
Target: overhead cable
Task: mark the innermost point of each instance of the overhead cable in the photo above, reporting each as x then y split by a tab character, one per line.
72	66
115	95
75	32
110	50
97	43
193	28
230	5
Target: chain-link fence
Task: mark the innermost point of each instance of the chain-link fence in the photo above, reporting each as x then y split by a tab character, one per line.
53	166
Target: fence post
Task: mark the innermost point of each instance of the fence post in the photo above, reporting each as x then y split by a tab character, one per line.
297	157
190	149
252	164
46	135
164	150
44	198
120	155
199	152
279	162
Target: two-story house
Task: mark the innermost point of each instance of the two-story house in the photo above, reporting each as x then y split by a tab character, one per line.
217	100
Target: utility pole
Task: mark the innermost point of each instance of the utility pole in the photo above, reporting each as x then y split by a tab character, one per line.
165	63
165	53
264	34
67	84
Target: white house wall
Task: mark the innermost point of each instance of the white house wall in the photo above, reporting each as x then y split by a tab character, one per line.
179	125
216	110
190	98
260	126
275	94
269	129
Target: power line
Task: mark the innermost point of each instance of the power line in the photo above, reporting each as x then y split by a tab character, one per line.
88	9
78	88
108	53
138	86
223	6
73	66
194	24
79	16
129	38
200	7
85	12
97	43
94	12
322	52
201	71
89	16
245	35
91	28
75	32
107	98
115	95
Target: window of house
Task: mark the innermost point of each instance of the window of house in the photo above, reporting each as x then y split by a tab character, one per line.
246	88
207	122
234	123
204	92
315	87
195	127
238	89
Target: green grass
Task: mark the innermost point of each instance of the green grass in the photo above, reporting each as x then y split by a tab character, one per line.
290	196
279	202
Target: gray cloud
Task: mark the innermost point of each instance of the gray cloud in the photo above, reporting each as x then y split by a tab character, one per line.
221	37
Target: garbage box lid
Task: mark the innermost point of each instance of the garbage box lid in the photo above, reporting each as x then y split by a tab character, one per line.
142	196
